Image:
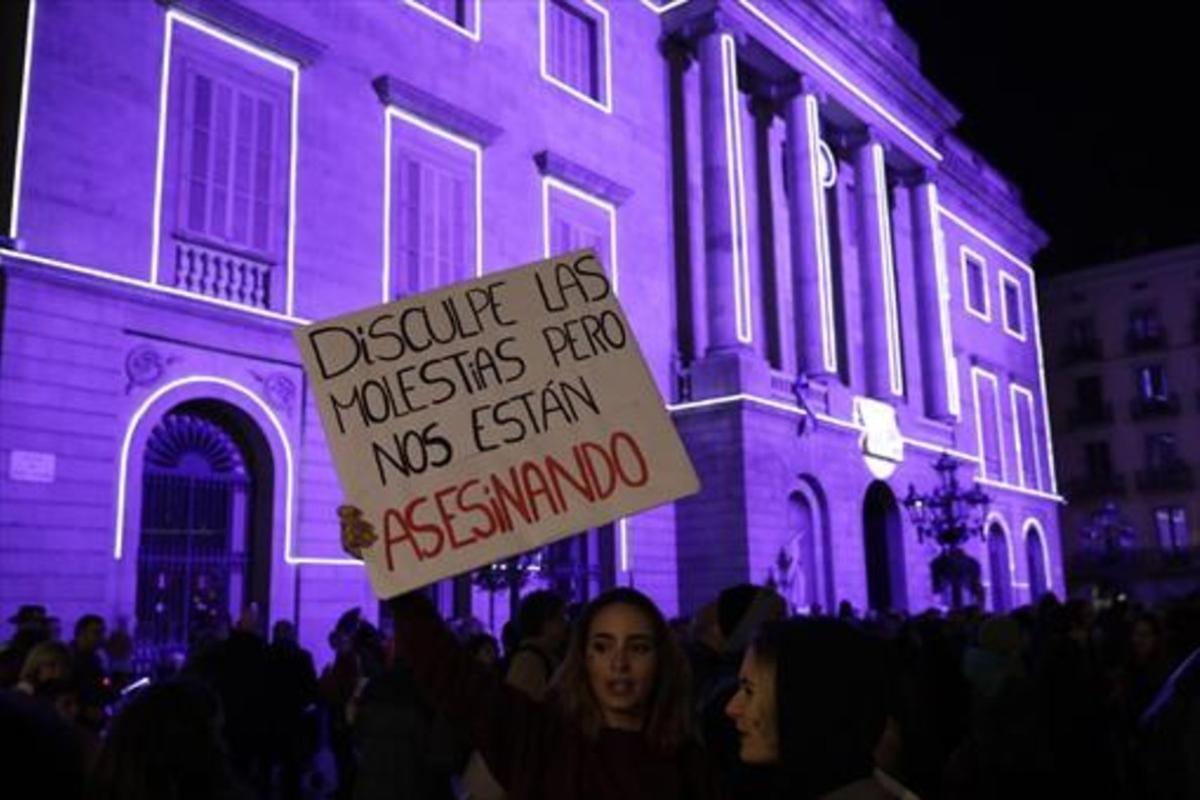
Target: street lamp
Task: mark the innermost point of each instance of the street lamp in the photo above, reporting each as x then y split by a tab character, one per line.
950	515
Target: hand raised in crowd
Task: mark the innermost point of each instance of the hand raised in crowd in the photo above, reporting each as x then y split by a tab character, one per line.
357	533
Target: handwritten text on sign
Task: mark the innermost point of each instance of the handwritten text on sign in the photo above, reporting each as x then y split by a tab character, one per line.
491	417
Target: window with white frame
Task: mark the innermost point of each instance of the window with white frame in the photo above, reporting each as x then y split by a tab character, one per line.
226	173
1012	306
975	293
433	210
1026	439
575	48
462	15
987	424
575	220
1170	522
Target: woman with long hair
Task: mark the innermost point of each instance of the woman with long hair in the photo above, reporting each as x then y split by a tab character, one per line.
812	704
615	724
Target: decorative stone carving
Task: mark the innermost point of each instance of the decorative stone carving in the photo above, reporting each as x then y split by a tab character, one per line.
278	390
144	366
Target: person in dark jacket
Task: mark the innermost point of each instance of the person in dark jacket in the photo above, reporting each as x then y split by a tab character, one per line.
813	704
616	722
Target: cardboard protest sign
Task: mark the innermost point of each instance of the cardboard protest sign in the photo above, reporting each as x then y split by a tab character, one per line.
491	417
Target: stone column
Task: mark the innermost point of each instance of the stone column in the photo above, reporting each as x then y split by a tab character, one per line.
881	333
723	241
812	278
932	296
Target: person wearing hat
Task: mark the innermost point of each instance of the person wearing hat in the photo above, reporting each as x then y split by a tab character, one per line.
31	629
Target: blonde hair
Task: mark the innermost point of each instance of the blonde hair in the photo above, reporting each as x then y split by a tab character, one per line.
41	655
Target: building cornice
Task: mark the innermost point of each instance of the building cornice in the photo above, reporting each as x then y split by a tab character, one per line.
253	27
393	91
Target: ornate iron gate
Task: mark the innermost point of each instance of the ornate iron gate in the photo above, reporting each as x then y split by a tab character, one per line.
191	562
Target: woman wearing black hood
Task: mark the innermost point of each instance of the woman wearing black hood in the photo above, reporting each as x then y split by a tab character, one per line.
812	703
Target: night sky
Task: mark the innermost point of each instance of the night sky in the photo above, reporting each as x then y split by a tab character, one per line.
1092	115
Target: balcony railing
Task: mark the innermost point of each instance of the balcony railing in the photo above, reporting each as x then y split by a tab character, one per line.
1083	351
1145	341
225	275
1090	415
1147	407
1093	486
1174	477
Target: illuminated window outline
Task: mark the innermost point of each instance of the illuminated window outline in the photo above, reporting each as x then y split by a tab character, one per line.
174	16
1009	280
976	373
891	303
953	387
425	125
734	157
965	256
474	33
996	518
14	209
1015	390
550	182
605	103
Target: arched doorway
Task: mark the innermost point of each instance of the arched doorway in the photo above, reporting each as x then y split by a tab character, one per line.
204	546
884	549
1035	559
999	573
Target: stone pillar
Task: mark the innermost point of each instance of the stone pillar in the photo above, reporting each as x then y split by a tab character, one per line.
724	245
932	297
881	332
812	277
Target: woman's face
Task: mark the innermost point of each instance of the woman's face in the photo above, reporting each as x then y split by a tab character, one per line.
752	710
622	663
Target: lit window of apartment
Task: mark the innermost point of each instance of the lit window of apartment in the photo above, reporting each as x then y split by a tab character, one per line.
1170	522
974	276
225	180
433	211
1152	382
575	49
1145	329
1161	451
1012	306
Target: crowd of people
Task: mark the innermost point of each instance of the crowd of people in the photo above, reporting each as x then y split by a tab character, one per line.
744	699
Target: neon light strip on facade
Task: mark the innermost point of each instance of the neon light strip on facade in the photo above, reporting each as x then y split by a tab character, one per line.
1032	522
608	208
665	7
1016	390
1019	331
293	69
888	265
953	390
824	276
14	216
841	79
430	128
976	374
1037	327
289	465
737	192
113	277
473	33
605	105
1010	487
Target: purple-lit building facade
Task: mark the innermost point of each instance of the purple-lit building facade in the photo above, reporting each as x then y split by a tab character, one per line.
831	289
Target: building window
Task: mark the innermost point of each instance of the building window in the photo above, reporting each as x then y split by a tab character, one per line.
1028	461
975	293
433	209
1145	330
226	177
459	15
1152	382
987	424
575	220
1170	522
1012	307
576	49
1161	451
1097	460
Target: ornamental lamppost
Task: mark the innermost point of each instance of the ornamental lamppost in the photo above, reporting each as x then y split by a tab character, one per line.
950	515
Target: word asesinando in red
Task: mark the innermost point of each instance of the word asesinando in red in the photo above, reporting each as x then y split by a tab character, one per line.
466	513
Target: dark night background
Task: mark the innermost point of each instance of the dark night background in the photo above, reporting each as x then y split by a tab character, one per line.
1087	107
